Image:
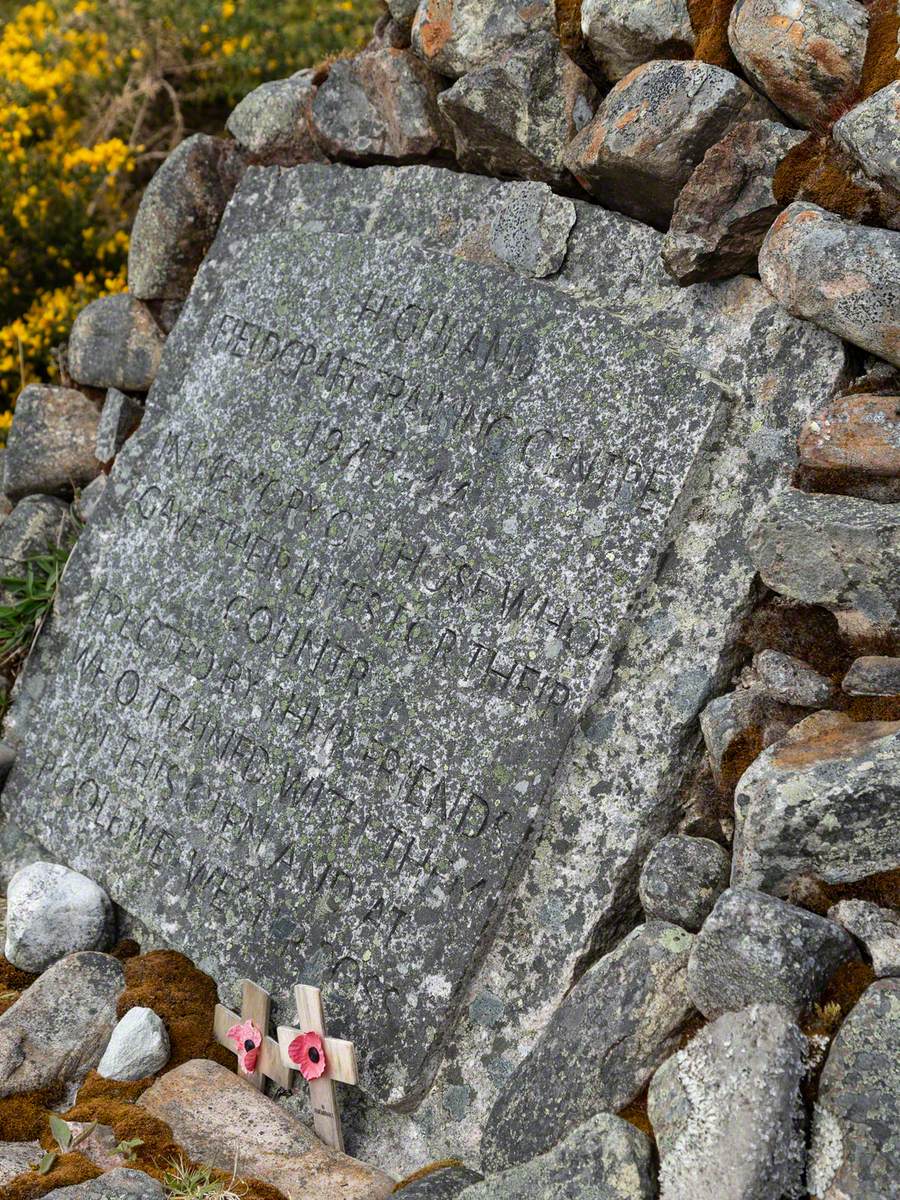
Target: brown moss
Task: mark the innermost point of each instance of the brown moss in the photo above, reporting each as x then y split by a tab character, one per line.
802	630
128	1120
24	1118
881	66
95	1087
68	1170
636	1114
442	1164
709	20
7	1000
568	23
816	170
12	979
125	949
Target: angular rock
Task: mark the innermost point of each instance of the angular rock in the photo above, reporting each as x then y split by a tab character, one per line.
790	680
877	929
272	123
854	1153
457	36
179	215
652	130
381	104
17	1157
516	115
681	880
120	1184
531	232
59	1027
50	447
820	804
603	1159
36	524
754	948
806	55
624	34
53	911
872	675
836	551
843	276
737	726
119	418
115	343
727	206
613	1029
726	1110
443	1184
870	132
853	447
403	11
88	499
221	1120
139	1046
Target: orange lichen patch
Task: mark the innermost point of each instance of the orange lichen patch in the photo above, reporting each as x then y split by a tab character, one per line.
12	979
568	23
437	28
636	1114
881	66
68	1170
24	1118
709	20
442	1164
841	737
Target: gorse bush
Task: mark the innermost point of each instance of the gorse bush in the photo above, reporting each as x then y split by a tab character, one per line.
93	95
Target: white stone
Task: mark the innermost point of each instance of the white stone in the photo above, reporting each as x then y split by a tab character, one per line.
53	911
139	1047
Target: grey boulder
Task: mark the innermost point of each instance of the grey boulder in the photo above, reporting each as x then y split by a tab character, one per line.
870	132
272	123
139	1047
119	418
36	525
876	929
790	680
50	447
614	1028
682	878
624	34
726	1110
115	342
855	1147
58	1028
871	675
120	1184
457	36
754	948
53	911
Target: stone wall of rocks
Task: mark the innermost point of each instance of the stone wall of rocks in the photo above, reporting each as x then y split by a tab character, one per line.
756	137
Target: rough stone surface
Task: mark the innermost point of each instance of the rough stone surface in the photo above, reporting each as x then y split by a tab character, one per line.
603	1159
653	129
806	55
726	1110
58	1028
50	447
744	718
870	132
878	929
88	499
853	446
790	680
456	36
139	1046
624	34
116	343
754	948
178	216
53	911
872	675
843	276
16	1157
615	1027
403	11
531	232
854	1153
119	418
727	206
820	804
517	114
836	551
682	878
271	123
381	104
445	1184
220	1120
35	525
120	1184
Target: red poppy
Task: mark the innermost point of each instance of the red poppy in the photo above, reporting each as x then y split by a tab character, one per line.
248	1040
307	1051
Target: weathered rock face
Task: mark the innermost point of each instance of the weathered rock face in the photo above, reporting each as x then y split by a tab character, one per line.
272	123
870	132
456	36
516	115
120	1184
737	725
59	1027
139	1046
51	444
115	342
652	130
52	911
820	804
119	418
221	1120
681	880
624	34
837	551
727	206
35	525
443	1184
726	1110
877	929
873	675
16	1157
853	446
613	1029
842	276
382	104
789	680
806	55
178	217
854	1155
754	948
531	234
603	1159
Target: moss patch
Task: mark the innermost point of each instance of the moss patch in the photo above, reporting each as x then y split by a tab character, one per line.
636	1114
568	24
24	1118
12	979
881	66
68	1170
709	19
816	170
442	1164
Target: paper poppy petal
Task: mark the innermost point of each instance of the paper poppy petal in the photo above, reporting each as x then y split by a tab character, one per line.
299	1053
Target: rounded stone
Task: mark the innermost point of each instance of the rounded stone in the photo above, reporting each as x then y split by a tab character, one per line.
53	911
139	1047
623	34
682	879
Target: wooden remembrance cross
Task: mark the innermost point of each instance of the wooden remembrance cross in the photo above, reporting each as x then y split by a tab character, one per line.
256	1005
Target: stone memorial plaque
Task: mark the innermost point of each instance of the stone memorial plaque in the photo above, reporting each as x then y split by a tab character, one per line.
318	654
